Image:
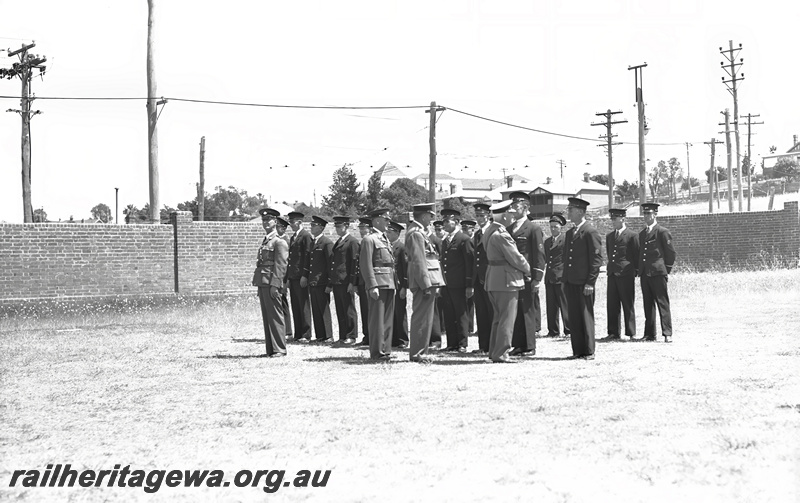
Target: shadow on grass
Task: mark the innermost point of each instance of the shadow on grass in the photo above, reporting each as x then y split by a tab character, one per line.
233	357
248	340
550	358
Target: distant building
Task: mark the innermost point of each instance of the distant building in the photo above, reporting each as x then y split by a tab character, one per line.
792	154
489	189
551	196
445	184
389	173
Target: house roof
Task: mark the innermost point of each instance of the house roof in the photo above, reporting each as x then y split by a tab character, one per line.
570	187
491	183
439	176
389	169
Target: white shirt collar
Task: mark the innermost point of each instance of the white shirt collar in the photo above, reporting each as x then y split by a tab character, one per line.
650	227
577	227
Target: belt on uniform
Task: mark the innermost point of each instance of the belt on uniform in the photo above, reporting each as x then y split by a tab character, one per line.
383	264
498	262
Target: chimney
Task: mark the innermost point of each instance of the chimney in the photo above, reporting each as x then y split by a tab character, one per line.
549	181
491	186
509	181
795	140
452	188
586	177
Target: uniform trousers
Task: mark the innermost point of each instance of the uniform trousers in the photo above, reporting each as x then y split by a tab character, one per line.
525	325
321	312
301	309
537	306
654	293
287	314
381	319
621	290
454	302
581	319
438	320
422	322
400	322
274	327
483	314
346	316
556	301
471	314
504	306
363	307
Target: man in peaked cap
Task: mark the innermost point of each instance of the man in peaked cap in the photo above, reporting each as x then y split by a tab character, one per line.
377	269
364	229
529	239
582	257
342	280
281	225
317	269
468	228
457	265
400	324
436	233
268	277
656	259
554	288
299	250
622	252
424	280
505	275
483	306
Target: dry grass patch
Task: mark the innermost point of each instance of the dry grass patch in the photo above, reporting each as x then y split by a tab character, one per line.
714	416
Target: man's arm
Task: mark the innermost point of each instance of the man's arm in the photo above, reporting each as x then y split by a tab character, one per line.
669	250
594	247
512	254
537	254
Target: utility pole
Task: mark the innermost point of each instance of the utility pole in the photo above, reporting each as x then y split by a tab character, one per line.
732	69
24	70
432	145
639	82
750	159
152	117
116	205
201	187
561	165
688	173
727	115
712	173
609	144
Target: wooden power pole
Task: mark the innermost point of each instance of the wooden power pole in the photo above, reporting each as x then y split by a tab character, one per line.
432	155
24	70
732	69
750	159
639	79
152	117
609	145
688	173
712	174
201	187
727	115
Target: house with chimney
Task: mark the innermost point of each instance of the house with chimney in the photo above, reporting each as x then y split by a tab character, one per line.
551	196
769	161
473	190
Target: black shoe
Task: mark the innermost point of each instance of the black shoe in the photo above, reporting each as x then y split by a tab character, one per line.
302	340
436	345
383	358
505	359
668	338
326	340
530	352
420	359
461	350
363	343
277	355
515	352
587	357
650	338
347	342
402	345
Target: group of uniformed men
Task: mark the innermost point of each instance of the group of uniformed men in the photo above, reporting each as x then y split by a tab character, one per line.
492	267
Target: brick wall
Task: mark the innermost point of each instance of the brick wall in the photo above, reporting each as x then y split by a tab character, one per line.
66	261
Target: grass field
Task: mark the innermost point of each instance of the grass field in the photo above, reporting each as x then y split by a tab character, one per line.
715	416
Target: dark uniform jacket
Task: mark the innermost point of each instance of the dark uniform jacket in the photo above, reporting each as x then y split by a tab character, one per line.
299	249
656	254
554	255
424	270
344	261
458	260
530	243
481	263
319	262
583	255
400	263
271	262
622	252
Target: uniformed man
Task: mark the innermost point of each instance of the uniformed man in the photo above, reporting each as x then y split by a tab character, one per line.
483	306
458	260
377	269
280	227
554	288
468	227
268	277
505	277
656	258
530	242
364	229
400	323
318	267
435	235
582	257
299	249
424	280
342	280
622	251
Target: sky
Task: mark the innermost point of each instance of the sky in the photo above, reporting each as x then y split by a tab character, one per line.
545	65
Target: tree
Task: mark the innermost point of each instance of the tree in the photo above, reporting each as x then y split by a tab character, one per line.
685	184
309	210
601	179
458	203
674	174
374	190
344	197
788	168
403	194
656	177
39	215
627	191
102	212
